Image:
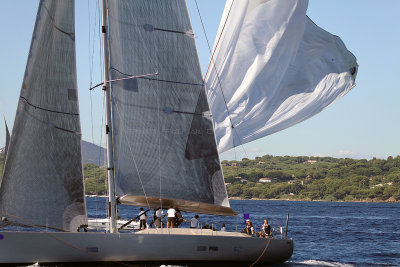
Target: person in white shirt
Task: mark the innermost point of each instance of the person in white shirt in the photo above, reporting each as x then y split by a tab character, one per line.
194	222
223	228
158	216
171	217
142	219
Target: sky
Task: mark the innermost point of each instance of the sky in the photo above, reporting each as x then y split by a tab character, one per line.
363	124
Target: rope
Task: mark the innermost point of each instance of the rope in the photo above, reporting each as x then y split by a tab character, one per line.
265	249
133	158
159	147
160	80
212	62
91	48
126	78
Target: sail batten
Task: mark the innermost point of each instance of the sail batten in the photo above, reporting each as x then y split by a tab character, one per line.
43	177
164	143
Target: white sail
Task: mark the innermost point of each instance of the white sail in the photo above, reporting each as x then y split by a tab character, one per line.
164	145
272	68
43	180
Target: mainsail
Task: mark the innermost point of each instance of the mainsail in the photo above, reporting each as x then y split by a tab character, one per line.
43	181
272	68
164	145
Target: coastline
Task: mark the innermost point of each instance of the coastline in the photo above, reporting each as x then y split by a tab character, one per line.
390	200
369	200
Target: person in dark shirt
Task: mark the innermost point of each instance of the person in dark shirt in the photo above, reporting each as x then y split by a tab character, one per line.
249	229
266	229
178	217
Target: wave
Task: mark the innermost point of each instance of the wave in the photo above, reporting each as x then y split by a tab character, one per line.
322	263
334	264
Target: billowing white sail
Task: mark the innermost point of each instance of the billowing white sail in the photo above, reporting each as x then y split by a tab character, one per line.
272	68
164	145
43	180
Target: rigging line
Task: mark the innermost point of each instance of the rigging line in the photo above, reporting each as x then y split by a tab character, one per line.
91	57
91	45
161	80
91	119
98	6
212	62
159	142
126	78
91	64
112	186
100	148
263	252
27	223
113	155
202	24
49	110
133	157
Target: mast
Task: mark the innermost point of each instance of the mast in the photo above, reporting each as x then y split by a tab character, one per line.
107	95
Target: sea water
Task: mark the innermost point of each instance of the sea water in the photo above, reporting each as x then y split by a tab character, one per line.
324	233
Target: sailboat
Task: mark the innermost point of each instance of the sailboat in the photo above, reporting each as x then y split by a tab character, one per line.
163	142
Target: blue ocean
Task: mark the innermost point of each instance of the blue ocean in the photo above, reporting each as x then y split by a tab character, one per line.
324	233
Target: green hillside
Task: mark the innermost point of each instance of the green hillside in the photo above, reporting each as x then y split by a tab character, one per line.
295	178
314	178
95	179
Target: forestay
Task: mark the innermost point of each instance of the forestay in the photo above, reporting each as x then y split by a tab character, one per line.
272	68
164	145
43	182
